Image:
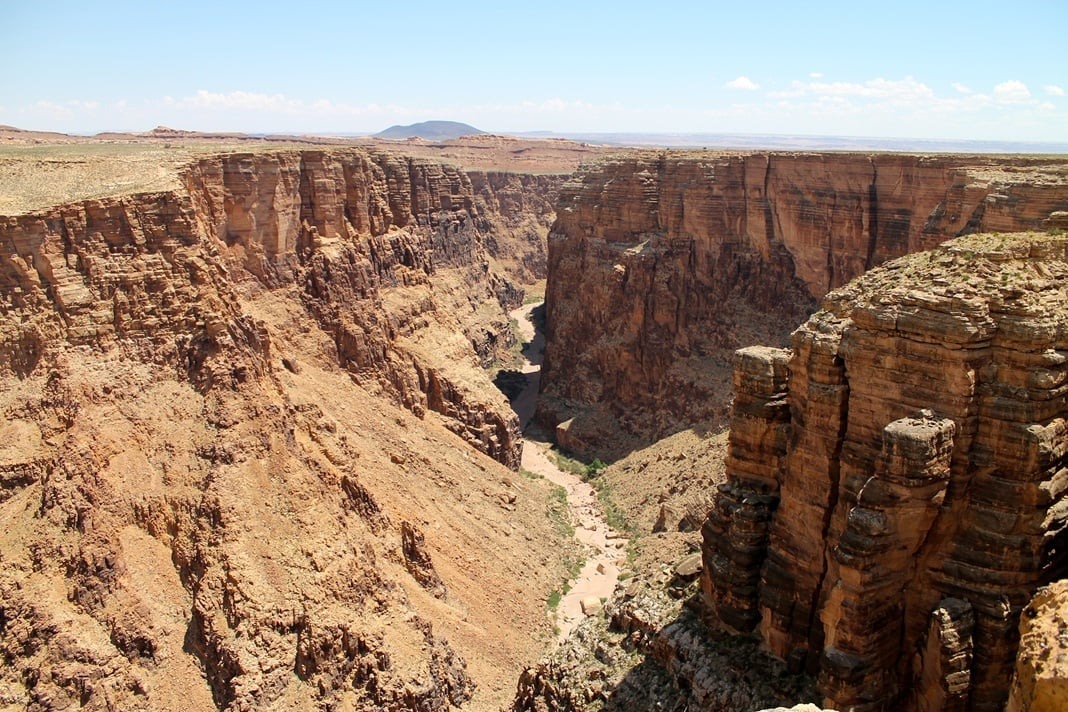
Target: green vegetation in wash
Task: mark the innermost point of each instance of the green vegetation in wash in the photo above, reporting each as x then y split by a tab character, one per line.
573	559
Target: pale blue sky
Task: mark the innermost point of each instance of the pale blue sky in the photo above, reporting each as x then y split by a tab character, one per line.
957	70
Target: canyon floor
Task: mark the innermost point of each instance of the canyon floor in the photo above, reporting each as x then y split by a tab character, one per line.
604	547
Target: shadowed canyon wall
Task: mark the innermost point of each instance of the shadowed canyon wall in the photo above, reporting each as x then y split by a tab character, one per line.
209	496
896	479
661	264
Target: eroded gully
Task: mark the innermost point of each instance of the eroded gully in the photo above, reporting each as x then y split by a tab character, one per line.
599	574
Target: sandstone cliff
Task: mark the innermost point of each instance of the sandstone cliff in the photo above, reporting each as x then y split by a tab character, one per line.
896	479
392	258
661	264
208	493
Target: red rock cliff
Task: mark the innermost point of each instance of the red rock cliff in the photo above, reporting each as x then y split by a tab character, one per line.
660	264
208	497
896	479
393	255
394	258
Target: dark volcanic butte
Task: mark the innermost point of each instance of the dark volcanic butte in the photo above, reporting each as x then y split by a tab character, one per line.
431	130
660	264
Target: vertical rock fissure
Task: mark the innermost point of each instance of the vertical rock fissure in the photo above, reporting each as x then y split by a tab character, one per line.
648	316
769	214
975	220
830	251
413	192
815	626
873	215
307	206
944	527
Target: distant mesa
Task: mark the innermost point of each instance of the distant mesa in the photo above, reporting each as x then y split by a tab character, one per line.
167	132
431	130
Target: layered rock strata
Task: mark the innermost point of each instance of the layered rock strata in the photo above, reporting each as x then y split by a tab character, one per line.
894	501
516	211
392	254
394	259
209	496
661	264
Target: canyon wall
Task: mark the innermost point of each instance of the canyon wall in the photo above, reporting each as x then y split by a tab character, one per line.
227	477
398	258
661	264
516	210
896	479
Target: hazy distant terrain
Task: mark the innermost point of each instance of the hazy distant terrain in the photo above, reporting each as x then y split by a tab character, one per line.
806	143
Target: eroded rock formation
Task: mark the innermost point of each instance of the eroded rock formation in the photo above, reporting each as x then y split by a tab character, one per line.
208	495
394	258
661	264
1040	682
896	480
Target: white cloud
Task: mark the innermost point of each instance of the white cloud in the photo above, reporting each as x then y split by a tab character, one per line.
744	83
48	109
69	108
1054	90
1012	92
879	106
904	91
277	103
892	106
554	105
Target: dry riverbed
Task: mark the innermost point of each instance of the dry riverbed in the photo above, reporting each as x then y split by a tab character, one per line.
607	548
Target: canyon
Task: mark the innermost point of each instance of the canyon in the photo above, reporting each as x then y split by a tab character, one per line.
892	489
664	263
253	458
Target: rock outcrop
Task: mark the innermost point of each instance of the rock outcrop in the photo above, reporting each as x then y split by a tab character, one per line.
647	650
392	254
661	264
227	477
896	480
1040	682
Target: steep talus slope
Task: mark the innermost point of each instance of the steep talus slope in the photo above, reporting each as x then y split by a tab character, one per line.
660	264
896	478
208	492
